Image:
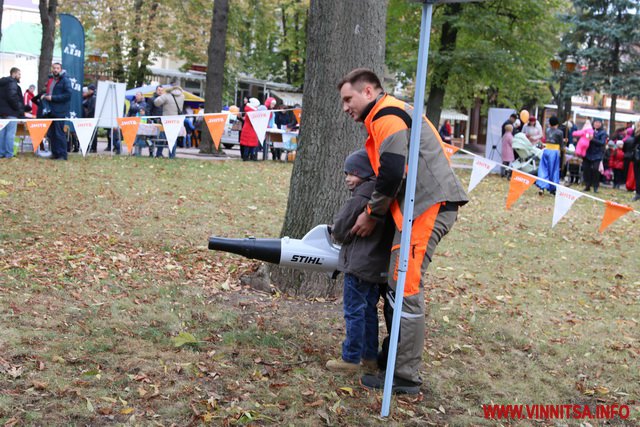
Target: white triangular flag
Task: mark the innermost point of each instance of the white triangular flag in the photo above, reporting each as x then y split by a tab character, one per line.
260	121
172	126
481	168
565	198
84	130
3	123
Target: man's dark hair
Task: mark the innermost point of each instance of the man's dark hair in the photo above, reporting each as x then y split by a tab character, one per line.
361	75
57	63
553	121
514	116
13	70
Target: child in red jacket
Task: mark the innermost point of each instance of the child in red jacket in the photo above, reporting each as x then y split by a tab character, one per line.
616	162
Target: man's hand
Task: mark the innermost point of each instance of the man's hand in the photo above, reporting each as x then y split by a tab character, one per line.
364	225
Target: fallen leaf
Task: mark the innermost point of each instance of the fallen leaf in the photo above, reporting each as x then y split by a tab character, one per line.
184	338
89	405
126	411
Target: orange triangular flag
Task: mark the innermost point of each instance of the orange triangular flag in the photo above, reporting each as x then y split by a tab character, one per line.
37	130
297	112
518	185
215	124
129	127
449	150
612	212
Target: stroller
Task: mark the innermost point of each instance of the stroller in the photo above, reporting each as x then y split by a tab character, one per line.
527	156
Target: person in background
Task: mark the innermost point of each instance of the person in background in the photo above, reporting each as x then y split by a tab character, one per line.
364	262
270	103
616	162
446	132
172	103
11	107
248	138
189	127
533	131
627	148
636	160
28	101
138	103
549	167
593	157
507	150
89	111
510	121
58	96
156	112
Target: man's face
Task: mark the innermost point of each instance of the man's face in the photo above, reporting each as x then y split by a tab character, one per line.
139	97
160	90
16	76
56	69
355	99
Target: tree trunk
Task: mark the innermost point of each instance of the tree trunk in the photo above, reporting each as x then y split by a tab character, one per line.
438	85
146	49
612	116
215	67
134	52
48	20
341	36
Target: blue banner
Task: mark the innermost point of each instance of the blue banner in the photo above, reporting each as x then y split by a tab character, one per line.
72	40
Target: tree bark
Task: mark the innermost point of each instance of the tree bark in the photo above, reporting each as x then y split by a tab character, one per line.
48	20
438	85
134	52
341	36
215	67
146	49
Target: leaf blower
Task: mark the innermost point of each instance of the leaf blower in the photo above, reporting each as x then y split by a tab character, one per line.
315	251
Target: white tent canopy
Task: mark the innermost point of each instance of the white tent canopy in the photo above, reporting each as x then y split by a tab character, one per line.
606	115
453	115
288	98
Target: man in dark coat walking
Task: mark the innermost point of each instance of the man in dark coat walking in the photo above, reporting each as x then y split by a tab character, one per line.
59	98
11	107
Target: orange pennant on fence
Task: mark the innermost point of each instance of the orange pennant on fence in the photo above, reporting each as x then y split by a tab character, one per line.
297	112
215	124
612	212
129	127
518	185
37	130
449	150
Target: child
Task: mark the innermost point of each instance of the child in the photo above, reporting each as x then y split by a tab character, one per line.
364	261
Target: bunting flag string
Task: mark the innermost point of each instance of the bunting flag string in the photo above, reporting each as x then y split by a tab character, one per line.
172	126
129	127
481	168
37	130
215	124
260	121
564	198
84	130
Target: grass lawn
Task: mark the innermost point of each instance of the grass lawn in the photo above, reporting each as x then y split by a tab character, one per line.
113	311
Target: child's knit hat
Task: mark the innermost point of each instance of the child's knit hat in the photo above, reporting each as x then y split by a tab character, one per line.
357	163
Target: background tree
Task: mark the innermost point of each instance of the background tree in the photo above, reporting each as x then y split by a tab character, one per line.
341	36
498	60
215	66
48	18
609	37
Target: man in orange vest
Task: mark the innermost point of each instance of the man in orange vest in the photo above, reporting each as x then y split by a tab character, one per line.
437	198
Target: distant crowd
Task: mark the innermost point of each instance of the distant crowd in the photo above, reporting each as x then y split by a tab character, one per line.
54	101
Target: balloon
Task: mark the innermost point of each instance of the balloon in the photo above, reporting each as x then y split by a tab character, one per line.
234	109
524	116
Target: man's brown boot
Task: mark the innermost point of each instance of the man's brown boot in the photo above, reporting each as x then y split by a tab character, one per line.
339	365
369	366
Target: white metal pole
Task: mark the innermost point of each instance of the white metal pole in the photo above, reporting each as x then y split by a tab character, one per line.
407	222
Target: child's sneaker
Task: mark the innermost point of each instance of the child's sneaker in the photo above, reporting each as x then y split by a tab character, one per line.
370	366
339	365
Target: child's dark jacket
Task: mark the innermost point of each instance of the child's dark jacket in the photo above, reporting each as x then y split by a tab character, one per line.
367	258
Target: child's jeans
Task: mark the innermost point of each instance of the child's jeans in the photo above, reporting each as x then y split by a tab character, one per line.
361	318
